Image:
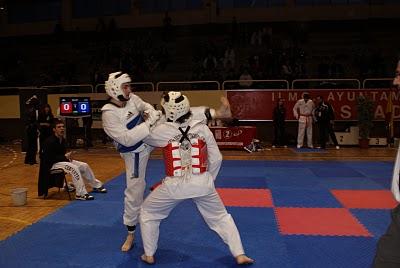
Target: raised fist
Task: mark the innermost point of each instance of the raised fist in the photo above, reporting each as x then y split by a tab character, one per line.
151	117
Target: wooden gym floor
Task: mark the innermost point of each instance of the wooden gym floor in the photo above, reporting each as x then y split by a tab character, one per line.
106	164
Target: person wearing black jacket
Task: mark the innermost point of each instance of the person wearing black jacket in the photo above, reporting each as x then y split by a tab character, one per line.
279	115
325	117
53	155
31	128
45	119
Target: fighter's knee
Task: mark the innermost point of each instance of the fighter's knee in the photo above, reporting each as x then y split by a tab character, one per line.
85	165
143	216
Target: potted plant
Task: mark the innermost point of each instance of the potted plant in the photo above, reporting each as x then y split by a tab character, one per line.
365	115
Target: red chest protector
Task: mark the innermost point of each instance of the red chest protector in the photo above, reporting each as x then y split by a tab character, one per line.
173	159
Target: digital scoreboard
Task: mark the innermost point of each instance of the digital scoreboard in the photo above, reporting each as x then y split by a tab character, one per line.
75	106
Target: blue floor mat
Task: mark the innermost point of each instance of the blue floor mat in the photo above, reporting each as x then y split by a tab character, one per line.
241	182
310	198
386	183
88	213
336	172
260	236
52	244
298	172
330	252
239	171
115	191
364	164
375	220
89	234
292	178
343	183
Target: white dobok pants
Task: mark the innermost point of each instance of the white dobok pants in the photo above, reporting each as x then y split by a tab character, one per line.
160	203
305	124
135	165
78	170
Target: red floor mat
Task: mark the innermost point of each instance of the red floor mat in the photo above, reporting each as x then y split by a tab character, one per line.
245	197
372	199
319	221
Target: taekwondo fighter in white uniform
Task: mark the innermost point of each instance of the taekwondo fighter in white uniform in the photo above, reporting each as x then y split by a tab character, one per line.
192	161
396	171
123	122
303	111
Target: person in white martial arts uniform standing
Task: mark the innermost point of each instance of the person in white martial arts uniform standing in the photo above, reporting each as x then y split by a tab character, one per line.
303	112
127	119
192	161
387	250
396	171
53	155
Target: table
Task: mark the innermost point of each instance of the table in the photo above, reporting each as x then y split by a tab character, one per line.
234	137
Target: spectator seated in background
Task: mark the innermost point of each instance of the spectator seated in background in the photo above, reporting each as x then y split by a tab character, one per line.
229	58
245	79
53	155
210	63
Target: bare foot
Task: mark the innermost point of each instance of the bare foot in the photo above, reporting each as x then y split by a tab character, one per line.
147	259
128	243
244	260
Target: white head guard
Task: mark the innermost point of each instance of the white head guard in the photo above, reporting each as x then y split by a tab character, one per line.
175	105
114	83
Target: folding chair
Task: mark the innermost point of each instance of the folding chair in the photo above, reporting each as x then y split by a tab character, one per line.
58	179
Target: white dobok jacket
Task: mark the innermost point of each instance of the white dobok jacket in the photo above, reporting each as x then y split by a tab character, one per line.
188	185
305	109
124	124
395	179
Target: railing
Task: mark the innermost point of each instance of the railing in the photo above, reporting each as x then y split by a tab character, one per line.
68	89
213	85
188	85
378	82
15	90
327	83
136	86
255	84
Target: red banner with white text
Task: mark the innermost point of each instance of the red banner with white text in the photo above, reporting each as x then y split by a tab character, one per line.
259	104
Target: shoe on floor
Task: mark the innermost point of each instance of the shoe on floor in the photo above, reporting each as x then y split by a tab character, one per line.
337	147
100	190
84	197
69	188
248	148
298	146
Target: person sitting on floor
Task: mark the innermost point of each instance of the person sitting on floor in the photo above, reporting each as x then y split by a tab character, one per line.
53	155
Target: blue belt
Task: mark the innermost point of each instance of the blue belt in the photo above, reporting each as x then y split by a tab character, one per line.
124	149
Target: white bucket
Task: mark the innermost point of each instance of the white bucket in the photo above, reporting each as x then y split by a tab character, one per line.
18	196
